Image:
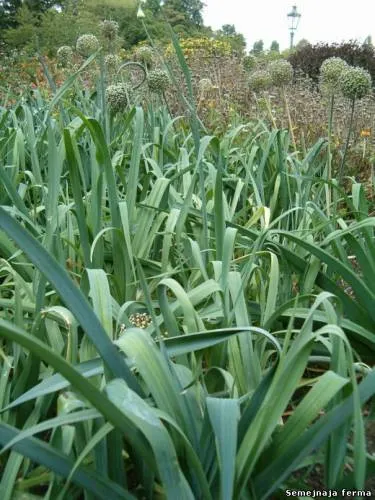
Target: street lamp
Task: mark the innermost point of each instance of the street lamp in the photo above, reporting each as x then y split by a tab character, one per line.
293	18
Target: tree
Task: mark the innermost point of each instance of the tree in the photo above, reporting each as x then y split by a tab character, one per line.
8	11
258	47
368	41
25	31
302	44
153	6
40	6
193	8
228	30
275	47
175	13
184	12
236	40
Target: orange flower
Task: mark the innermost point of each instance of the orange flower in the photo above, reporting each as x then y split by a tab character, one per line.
366	132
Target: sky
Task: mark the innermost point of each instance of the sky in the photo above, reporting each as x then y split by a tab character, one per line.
321	20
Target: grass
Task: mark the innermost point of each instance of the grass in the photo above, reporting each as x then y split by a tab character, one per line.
228	247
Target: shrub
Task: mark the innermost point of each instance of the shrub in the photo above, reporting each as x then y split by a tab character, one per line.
249	62
309	58
203	46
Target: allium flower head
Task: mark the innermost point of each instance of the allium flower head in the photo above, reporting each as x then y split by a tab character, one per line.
355	82
87	45
109	29
118	96
205	85
144	54
64	55
158	81
112	62
281	72
260	80
331	71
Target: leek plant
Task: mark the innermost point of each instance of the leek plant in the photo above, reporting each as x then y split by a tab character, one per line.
224	248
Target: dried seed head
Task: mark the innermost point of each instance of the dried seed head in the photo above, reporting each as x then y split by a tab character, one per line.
260	80
355	83
118	96
65	55
87	45
109	29
157	81
112	62
205	85
144	54
281	72
331	71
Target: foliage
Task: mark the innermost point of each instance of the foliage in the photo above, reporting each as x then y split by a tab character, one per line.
8	11
183	12
25	33
49	31
10	8
54	28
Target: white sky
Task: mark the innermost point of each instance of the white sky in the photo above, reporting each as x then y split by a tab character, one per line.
321	20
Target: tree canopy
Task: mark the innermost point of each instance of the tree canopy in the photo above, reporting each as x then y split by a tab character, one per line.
54	22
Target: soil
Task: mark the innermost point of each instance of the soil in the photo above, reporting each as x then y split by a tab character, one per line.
313	478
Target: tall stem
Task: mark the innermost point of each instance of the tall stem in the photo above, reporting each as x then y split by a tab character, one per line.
329	158
269	109
164	98
347	142
289	119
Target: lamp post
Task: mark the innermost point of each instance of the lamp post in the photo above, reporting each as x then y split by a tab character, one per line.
293	18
